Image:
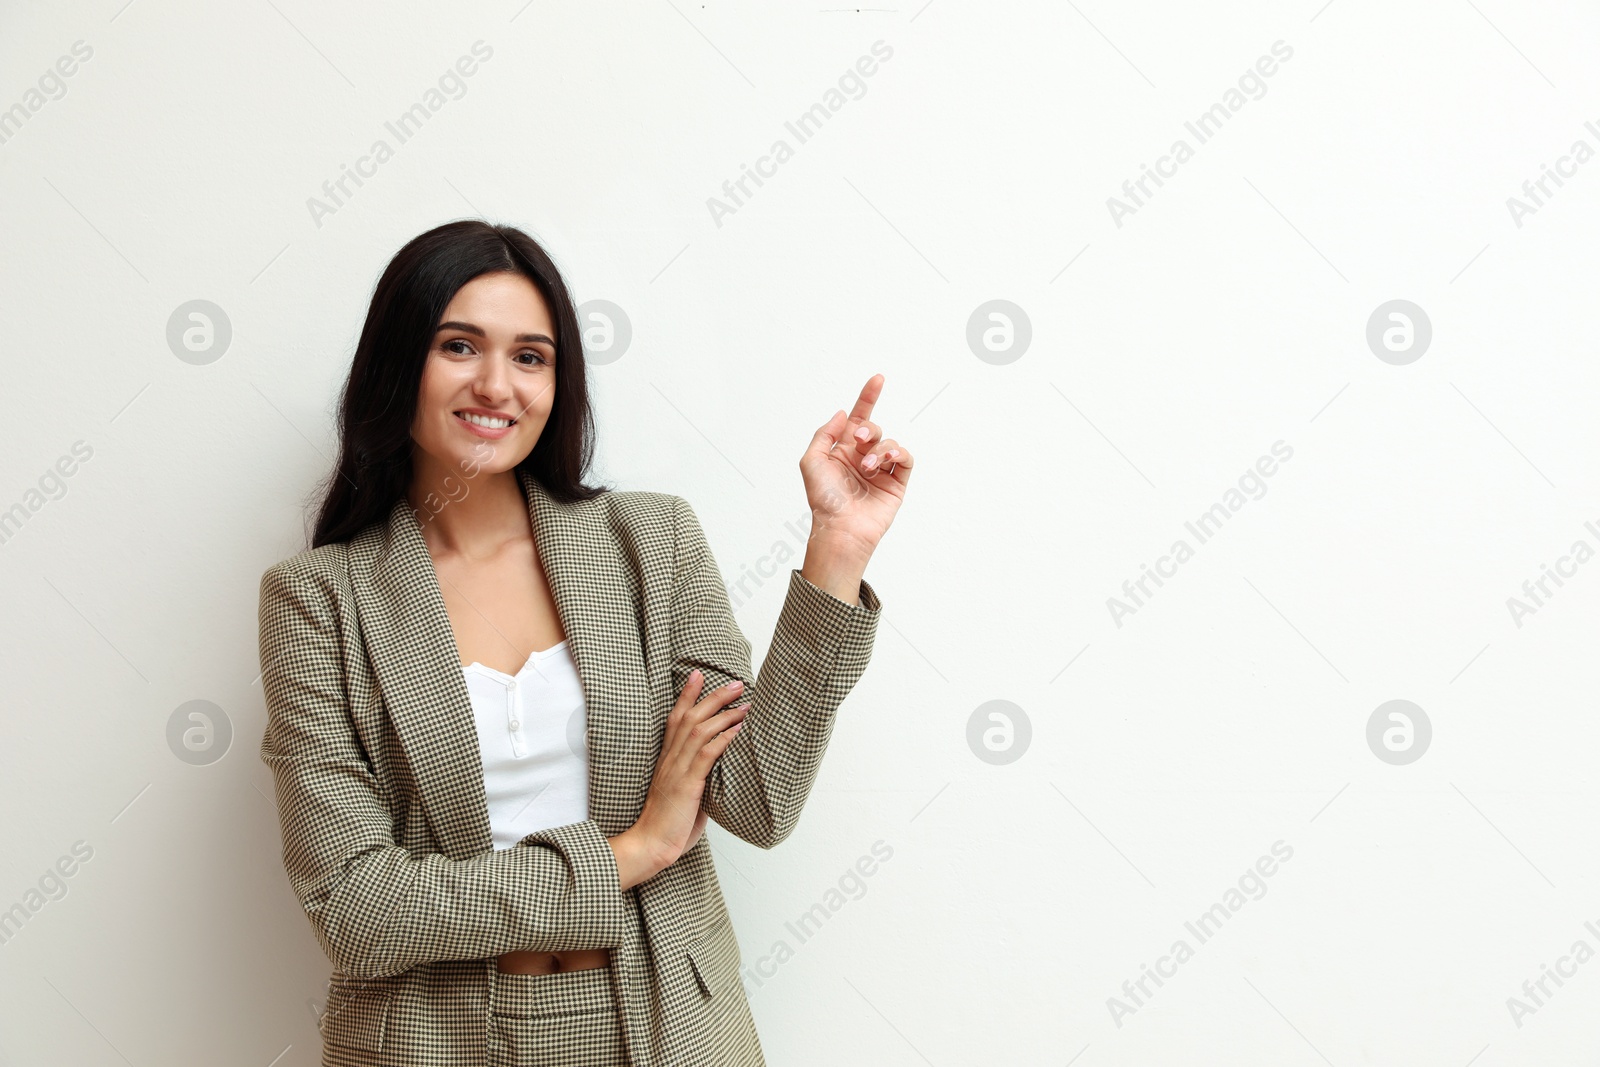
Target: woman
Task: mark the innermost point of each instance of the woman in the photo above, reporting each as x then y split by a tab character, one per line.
502	703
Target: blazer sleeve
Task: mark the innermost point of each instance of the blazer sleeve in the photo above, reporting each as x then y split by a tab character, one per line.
379	909
819	650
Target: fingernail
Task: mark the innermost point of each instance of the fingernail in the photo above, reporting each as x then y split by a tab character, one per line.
871	462
736	685
862	433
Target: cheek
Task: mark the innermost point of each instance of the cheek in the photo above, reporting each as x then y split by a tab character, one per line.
442	384
429	389
539	405
434	406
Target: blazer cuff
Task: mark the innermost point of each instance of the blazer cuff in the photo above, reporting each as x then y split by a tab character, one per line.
595	907
824	623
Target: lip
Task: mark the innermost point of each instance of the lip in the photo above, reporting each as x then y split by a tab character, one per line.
485	431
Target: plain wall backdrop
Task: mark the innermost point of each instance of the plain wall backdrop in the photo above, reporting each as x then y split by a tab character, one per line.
1386	484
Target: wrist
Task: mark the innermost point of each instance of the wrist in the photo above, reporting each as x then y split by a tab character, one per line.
837	575
648	850
637	859
826	541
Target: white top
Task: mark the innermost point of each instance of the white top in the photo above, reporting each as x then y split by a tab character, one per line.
531	735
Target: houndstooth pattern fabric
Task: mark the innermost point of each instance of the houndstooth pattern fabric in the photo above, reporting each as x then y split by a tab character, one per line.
386	838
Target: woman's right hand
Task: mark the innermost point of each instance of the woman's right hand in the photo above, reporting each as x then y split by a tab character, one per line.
698	730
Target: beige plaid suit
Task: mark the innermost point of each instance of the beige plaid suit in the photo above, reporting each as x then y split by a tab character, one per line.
386	839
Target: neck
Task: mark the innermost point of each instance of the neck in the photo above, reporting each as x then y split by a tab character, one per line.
472	517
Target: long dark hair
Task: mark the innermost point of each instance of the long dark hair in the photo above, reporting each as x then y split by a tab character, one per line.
379	399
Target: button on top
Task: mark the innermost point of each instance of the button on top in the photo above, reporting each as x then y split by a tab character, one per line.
511	742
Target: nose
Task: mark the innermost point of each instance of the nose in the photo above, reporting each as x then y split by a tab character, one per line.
493	382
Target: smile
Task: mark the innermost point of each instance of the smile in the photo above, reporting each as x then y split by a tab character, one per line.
485	421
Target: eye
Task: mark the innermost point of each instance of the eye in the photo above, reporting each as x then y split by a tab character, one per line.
535	353
447	346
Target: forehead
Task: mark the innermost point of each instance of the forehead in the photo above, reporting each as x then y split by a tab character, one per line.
501	303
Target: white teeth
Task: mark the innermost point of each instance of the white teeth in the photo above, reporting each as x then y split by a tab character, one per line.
483	420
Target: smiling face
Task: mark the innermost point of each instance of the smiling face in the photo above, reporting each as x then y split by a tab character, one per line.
490	378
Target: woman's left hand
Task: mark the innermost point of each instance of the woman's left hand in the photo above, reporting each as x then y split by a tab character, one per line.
855	478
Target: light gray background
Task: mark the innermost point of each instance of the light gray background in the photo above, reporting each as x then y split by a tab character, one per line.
1167	354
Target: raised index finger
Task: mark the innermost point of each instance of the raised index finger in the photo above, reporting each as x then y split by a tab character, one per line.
869	396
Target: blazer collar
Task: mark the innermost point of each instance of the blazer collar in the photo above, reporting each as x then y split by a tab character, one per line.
412	649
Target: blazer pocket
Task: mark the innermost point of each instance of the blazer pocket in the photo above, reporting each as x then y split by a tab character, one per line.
714	956
356	1020
555	1020
553	996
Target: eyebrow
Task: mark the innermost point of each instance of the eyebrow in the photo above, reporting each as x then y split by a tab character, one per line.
477	331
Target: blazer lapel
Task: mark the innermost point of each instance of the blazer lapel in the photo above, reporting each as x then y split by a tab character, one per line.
413	652
596	592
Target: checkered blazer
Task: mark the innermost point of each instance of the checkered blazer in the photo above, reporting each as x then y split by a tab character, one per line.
386	841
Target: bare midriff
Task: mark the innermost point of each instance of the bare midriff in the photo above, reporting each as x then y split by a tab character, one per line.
582	959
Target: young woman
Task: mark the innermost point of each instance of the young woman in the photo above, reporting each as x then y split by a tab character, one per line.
502	703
